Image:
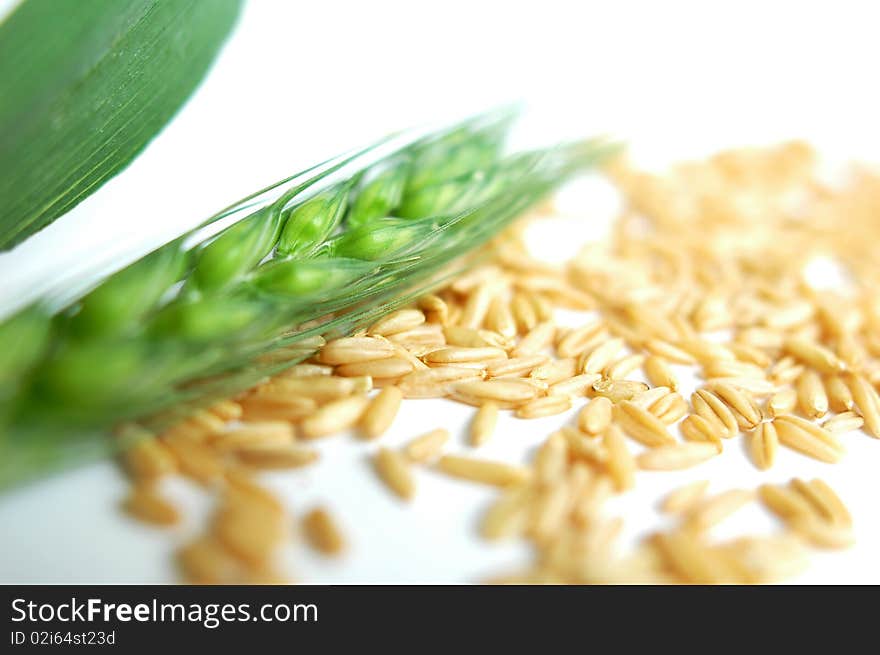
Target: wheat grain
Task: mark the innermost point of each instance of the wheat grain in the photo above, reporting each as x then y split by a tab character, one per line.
148	459
811	395
596	360
580	339
744	408
462	355
822	534
669	408
648	398
763	445
845	422
547	406
435	309
623	367
523	313
380	412
322	532
783	402
500	319
684	498
641	425
717	508
390	367
350	350
145	504
783	502
537	339
814	355
620	463
676	456
797	438
556	370
575	386
839	396
596	415
866	402
487	472
834	507
515	366
509	515
483	425
334	417
697	429
582	447
618	391
395	471
272	456
427	447
659	373
713	409
510	391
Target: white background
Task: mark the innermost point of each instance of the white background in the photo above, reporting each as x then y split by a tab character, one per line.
302	81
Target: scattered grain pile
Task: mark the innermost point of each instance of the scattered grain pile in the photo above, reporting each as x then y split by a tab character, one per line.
705	269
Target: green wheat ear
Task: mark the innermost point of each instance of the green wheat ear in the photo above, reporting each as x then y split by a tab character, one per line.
187	324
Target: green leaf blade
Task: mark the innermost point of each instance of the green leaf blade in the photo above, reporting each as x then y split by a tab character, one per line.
87	85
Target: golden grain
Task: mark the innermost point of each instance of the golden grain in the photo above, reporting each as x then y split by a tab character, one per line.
783	502
391	367
834	507
500	319
623	367
483	424
398	321
580	339
782	402
596	360
744	408
515	366
511	391
334	417
845	422
669	408
596	415
676	456
395	471
509	515
801	440
697	429
322	532
488	472
145	504
380	412
620	463
659	373
814	355
822	534
641	425
459	355
713	409
575	386
427	447
546	406
349	350
684	498
272	456
618	391
717	508
538	338
811	394
866	402
148	459
763	444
